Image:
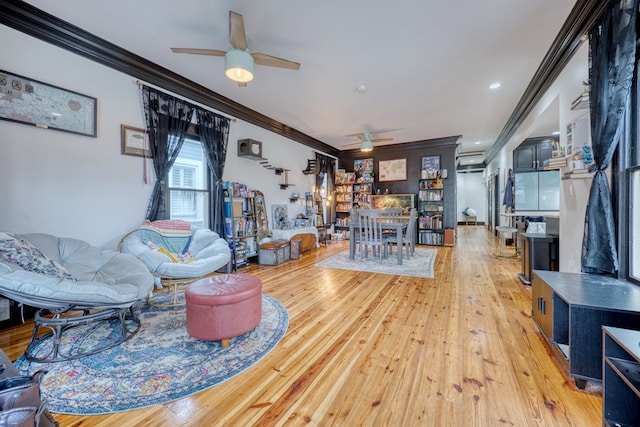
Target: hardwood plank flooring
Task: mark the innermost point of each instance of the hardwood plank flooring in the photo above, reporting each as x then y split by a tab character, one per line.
387	350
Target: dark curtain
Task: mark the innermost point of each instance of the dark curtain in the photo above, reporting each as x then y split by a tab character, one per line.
508	201
167	121
327	168
612	52
214	135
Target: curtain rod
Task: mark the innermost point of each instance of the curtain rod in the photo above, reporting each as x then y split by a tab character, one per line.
140	83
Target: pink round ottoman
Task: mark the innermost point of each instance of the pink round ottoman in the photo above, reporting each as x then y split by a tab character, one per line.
224	306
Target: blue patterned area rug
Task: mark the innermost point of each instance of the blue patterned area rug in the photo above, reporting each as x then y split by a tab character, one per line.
419	265
159	364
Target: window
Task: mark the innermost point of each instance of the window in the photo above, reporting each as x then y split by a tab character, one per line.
629	189
189	185
634	226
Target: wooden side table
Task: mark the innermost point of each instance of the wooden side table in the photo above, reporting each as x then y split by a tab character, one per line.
468	219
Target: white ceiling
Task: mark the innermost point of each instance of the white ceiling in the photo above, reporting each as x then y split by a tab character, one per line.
427	65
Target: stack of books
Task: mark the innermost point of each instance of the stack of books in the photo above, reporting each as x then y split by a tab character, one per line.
555	163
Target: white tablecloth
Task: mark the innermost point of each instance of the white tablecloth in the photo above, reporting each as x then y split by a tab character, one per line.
289	233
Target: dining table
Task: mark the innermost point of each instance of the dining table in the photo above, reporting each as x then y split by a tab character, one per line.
399	225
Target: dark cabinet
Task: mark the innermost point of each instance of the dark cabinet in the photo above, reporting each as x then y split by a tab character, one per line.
542	309
571	308
621	377
531	154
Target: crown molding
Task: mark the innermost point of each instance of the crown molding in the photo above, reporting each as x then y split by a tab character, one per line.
35	22
570	37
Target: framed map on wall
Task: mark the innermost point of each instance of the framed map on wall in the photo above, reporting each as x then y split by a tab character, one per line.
392	170
28	101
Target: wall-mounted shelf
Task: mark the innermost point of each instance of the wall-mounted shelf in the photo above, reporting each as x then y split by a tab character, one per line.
285	173
577	175
581	102
250	149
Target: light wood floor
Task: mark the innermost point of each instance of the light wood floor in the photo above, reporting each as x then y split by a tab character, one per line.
381	350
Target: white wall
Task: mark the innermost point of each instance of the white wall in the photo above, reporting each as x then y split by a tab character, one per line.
281	152
574	193
471	193
82	187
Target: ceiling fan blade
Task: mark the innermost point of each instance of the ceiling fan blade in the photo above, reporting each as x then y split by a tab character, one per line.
211	52
272	61
237	35
242	84
381	139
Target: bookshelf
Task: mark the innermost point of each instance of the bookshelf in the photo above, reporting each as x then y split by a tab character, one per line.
240	224
431	212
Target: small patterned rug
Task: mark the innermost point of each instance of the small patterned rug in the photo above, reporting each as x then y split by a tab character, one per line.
419	265
159	364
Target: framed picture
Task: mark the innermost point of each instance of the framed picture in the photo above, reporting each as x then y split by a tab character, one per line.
392	170
430	163
28	101
134	141
280	217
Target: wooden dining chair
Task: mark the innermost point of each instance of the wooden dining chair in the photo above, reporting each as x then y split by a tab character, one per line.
408	239
391	215
370	226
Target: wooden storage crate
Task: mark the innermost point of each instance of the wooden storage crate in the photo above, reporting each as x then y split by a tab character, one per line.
274	252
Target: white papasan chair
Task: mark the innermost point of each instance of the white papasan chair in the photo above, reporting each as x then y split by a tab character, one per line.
60	276
177	254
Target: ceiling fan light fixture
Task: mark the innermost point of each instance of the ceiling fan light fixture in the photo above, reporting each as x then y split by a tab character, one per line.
239	65
366	146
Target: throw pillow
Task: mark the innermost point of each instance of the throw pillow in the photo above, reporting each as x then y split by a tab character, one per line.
173	235
20	252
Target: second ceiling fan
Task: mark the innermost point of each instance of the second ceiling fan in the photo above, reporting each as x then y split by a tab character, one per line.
239	62
366	142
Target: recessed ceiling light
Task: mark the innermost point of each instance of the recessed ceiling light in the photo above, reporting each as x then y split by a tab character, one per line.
495	85
555	133
477	142
361	88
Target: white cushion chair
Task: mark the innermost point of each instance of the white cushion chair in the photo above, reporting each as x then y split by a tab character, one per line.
60	275
175	254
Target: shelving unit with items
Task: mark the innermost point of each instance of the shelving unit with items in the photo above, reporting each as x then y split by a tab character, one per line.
431	212
362	195
344	199
240	224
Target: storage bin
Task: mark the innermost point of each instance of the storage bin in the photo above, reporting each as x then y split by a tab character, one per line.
274	252
296	248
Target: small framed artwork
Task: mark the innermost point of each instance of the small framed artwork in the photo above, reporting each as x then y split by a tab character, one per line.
134	142
280	216
392	170
430	163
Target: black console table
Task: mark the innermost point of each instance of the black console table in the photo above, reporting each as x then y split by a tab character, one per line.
570	310
539	252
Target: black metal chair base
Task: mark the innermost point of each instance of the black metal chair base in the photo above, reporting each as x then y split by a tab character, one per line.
44	318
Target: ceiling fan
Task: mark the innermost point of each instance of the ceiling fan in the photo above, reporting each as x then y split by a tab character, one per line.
366	142
238	61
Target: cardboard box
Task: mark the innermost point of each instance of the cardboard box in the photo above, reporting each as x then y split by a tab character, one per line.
237	209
